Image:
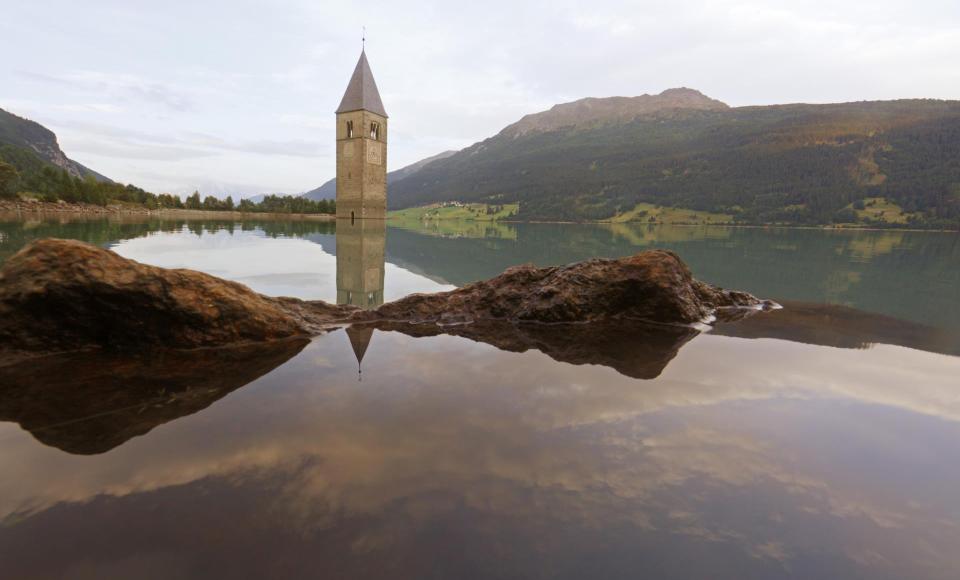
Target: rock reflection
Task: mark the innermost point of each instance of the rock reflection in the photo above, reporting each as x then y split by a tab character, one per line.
841	327
642	351
460	460
91	402
632	348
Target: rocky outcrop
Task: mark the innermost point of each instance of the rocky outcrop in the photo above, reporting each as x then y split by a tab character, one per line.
65	295
655	286
58	295
41	141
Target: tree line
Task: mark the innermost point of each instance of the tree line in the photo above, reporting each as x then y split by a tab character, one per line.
21	171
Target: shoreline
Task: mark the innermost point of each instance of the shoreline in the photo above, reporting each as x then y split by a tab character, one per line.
791	227
44	208
708	225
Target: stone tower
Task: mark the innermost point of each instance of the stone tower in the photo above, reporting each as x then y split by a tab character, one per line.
361	257
361	148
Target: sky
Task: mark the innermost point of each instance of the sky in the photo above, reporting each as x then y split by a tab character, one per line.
237	97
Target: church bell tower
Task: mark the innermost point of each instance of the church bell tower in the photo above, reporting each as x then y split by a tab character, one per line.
361	148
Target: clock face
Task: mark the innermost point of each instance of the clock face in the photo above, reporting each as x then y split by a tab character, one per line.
374	156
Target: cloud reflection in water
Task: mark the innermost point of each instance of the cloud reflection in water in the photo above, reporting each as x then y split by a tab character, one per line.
745	458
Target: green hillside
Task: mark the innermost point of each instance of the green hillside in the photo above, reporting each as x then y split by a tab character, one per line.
467	211
31	161
798	164
33	166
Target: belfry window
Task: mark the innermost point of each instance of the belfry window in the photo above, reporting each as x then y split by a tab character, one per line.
375	131
349	129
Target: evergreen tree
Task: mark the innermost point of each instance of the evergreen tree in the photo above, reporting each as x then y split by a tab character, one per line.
9	180
193	201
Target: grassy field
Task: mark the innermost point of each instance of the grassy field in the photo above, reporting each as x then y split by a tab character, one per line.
647	212
431	217
640	234
880	209
459	228
468	212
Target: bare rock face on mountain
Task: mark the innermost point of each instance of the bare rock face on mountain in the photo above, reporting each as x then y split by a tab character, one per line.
59	295
594	111
36	138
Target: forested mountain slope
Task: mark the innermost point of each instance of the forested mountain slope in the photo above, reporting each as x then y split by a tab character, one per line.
17	132
784	163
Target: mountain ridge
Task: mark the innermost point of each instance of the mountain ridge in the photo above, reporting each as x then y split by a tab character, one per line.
599	110
27	134
793	163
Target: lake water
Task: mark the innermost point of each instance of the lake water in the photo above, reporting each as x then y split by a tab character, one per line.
820	441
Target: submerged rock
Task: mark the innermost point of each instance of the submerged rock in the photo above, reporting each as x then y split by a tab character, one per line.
58	295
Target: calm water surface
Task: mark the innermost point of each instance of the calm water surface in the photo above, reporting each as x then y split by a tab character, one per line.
820	441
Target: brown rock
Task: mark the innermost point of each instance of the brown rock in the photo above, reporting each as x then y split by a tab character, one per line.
64	295
60	295
655	286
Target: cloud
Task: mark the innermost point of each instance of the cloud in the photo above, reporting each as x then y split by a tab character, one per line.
91	108
123	142
146	152
450	74
293	147
517	435
125	87
325	122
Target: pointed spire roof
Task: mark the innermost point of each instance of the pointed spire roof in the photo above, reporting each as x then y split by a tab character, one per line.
362	93
359	339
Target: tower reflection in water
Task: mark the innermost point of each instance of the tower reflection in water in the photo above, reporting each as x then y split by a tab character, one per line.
361	247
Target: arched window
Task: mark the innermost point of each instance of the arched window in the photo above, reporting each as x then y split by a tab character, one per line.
375	131
349	129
